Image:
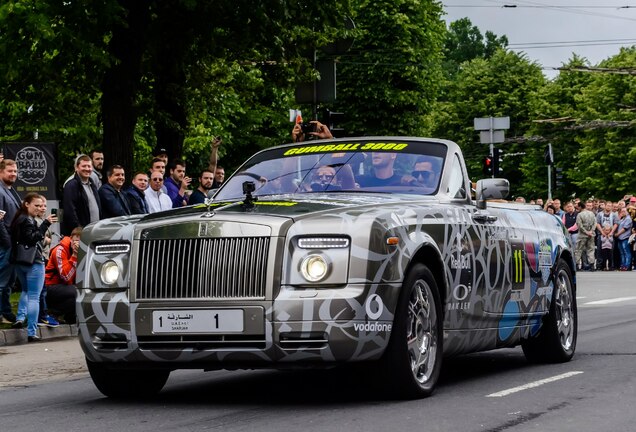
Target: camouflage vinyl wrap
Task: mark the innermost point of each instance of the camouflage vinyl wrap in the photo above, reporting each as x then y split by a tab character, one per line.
495	278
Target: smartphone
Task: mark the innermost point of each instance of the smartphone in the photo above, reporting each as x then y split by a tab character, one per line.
308	127
54	211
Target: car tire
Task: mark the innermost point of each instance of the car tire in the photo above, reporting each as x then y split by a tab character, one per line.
556	341
413	359
127	383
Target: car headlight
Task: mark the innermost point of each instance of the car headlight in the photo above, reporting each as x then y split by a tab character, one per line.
318	261
314	268
110	272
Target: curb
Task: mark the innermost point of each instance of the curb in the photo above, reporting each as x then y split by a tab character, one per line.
19	336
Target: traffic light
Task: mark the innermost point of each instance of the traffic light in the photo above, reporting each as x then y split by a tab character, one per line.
488	162
332	119
559	177
497	160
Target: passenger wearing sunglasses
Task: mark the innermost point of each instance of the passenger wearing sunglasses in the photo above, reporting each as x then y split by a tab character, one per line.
156	198
423	174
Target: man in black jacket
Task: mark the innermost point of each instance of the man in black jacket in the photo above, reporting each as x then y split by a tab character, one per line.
136	194
10	203
114	202
81	201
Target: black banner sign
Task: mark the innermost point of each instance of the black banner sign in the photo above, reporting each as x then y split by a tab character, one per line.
36	163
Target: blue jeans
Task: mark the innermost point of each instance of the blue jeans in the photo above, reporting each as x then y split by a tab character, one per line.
7	278
31	278
22	307
626	253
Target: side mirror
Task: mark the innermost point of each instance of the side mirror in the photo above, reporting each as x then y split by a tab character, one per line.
496	188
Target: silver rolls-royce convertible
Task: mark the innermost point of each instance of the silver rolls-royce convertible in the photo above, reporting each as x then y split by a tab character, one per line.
374	250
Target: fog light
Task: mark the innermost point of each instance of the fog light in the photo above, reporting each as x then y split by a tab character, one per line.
110	272
314	268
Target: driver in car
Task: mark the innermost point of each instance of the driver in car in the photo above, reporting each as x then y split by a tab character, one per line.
325	179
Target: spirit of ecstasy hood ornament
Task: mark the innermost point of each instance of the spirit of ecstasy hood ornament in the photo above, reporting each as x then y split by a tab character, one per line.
208	202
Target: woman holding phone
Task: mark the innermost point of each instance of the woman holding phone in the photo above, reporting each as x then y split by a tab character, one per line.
44	319
25	231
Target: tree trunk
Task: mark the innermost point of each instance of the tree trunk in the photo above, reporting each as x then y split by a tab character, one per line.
121	84
173	44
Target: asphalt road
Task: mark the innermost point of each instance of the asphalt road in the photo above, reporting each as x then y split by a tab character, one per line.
45	387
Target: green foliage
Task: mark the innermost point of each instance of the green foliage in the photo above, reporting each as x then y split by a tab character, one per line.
56	55
229	68
464	42
502	85
391	77
606	160
49	69
555	109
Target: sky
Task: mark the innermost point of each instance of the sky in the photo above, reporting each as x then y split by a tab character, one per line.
548	32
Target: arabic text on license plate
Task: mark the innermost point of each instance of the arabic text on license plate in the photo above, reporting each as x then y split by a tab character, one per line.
197	321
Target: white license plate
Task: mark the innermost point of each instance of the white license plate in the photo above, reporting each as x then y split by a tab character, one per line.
197	321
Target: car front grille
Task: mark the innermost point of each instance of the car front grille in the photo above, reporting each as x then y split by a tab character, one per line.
202	268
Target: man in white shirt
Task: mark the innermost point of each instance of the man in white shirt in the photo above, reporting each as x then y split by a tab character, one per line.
156	199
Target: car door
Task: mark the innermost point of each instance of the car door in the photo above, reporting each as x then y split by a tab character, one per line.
476	252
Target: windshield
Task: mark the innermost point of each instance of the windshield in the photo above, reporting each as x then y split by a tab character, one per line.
376	166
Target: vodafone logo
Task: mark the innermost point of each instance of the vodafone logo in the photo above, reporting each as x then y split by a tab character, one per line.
374	306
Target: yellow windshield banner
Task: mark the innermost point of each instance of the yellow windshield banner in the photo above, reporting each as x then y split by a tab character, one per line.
328	148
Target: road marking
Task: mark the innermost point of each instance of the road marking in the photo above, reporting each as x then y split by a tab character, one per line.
608	301
534	384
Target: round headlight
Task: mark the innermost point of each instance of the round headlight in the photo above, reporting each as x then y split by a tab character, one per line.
314	268
110	272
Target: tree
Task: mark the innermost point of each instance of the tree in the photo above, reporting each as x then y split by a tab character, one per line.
391	77
121	81
131	63
556	109
502	85
607	157
49	74
464	42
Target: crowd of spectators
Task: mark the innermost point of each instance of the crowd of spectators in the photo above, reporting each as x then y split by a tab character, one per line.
602	231
89	195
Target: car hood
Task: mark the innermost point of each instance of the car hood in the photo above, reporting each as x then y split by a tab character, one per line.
275	215
294	206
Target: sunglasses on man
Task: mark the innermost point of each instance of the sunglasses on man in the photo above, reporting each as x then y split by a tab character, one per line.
324	176
424	174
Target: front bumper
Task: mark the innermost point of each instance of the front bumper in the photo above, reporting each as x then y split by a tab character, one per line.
298	328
